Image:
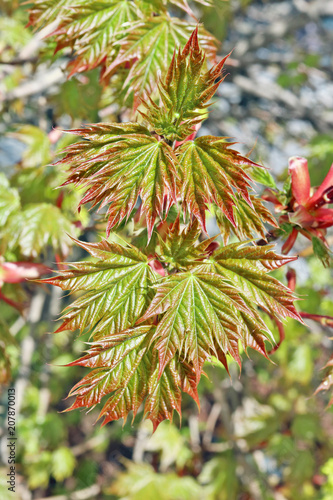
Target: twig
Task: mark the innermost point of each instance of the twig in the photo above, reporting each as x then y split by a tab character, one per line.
319	318
28	348
17	326
19	62
35	86
194	433
211	423
85	494
140	443
44	393
85	446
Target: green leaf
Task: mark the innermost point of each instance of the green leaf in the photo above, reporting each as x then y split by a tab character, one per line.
115	288
127	371
120	371
246	267
6	339
183	4
164	393
209	172
249	221
220	478
306	427
13	35
63	463
154	5
9	199
177	247
38	151
256	422
94	29
46	11
118	33
203	311
119	162
78	99
321	251
39	470
171	444
140	481
263	176
184	93
302	467
149	49
201	317
37	227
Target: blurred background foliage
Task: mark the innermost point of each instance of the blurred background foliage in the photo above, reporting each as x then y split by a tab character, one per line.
261	434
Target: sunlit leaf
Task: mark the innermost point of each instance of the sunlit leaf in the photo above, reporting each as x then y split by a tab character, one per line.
263	176
38	144
249	220
114	285
210	170
93	30
9	199
184	93
119	162
149	49
36	228
246	267
63	463
201	318
140	481
118	33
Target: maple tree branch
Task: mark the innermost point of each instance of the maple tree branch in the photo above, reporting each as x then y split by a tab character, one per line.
19	62
28	347
84	494
210	425
319	318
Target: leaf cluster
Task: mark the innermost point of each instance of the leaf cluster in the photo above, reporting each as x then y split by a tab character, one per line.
118	163
153	334
157	315
134	38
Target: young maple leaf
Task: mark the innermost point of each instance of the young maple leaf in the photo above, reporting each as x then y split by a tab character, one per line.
118	163
184	93
115	288
208	309
47	11
95	30
210	172
125	368
117	35
153	334
182	4
37	227
178	248
249	219
148	49
246	268
120	366
199	310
